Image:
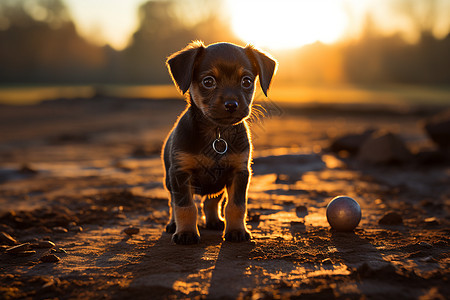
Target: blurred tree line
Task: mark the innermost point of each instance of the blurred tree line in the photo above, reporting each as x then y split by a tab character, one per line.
39	44
372	59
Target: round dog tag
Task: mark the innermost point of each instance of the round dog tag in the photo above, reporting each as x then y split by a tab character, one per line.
218	144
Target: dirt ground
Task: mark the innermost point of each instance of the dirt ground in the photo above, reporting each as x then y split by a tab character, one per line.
79	172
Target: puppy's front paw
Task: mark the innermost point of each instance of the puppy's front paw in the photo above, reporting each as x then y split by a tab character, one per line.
171	227
186	238
215	225
237	235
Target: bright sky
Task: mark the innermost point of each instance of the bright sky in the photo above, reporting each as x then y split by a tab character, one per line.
113	21
288	24
266	23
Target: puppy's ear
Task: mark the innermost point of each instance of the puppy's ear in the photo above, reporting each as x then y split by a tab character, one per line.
181	65
264	63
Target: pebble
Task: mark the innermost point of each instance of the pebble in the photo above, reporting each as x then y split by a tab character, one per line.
431	221
428	259
49	258
44	244
131	230
391	218
58	250
76	228
297	223
7	239
438	129
60	229
301	211
26	169
18	248
25	253
327	261
384	148
117	209
350	142
425	245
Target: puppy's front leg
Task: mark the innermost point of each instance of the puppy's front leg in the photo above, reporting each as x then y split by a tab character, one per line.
184	210
236	209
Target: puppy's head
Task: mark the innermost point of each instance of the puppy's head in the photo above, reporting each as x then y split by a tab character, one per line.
221	78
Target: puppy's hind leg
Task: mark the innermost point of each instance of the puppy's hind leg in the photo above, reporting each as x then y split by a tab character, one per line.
171	227
212	209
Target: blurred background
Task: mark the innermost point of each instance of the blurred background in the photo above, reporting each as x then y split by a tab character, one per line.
328	51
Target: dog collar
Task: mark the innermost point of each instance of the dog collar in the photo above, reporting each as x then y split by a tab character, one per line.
219	141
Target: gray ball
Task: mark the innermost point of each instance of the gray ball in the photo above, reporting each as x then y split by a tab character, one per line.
343	213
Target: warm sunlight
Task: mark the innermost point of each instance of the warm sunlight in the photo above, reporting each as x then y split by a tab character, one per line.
288	24
106	21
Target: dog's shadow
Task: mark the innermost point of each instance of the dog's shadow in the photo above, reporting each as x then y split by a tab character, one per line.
204	270
228	277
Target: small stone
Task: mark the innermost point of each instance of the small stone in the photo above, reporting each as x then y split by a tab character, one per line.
49	258
72	224
384	148
431	221
131	230
391	218
327	261
44	244
350	142
428	259
425	245
117	209
18	248
438	129
301	211
58	250
7	239
258	296
60	229
48	284
297	223
76	229
25	253
26	169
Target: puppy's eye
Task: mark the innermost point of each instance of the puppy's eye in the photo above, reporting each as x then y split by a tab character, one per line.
209	82
246	82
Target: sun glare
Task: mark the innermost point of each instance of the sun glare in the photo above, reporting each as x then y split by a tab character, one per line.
286	24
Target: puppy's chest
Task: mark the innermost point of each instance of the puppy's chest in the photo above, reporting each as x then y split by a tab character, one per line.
209	174
211	164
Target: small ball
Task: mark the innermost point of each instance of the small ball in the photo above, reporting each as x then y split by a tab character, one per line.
343	213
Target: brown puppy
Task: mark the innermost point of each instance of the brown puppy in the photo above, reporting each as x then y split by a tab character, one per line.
208	151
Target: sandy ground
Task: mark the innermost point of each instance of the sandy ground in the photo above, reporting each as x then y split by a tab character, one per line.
79	172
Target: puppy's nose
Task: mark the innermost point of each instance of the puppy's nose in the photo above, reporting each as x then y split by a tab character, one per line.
231	105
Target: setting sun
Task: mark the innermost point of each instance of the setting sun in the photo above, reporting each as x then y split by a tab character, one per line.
288	24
